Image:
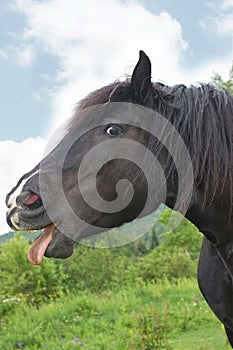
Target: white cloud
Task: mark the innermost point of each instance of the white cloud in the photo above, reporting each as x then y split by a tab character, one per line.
227	4
24	55
96	43
220	25
99	42
222	22
3	54
225	24
12	34
16	158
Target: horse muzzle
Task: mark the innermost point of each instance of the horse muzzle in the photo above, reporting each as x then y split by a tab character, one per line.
26	212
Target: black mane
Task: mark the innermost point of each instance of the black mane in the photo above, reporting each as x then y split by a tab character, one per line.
203	116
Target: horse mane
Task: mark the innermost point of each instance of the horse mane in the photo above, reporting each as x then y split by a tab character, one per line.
203	116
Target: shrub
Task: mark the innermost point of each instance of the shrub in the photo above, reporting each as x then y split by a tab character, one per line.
96	269
161	264
184	237
20	279
150	329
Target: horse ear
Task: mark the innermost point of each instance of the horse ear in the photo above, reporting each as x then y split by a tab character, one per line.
141	79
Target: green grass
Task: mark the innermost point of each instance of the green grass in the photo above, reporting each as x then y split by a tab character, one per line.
139	317
206	338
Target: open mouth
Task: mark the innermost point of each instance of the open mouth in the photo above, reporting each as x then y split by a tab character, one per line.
35	255
29	214
32	211
39	247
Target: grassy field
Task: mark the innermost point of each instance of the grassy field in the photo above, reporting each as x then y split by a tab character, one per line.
104	299
141	317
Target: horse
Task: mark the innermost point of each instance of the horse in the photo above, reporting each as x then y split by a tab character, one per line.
203	117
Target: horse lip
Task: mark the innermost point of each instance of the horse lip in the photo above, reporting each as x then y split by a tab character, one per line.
8	219
56	248
28	213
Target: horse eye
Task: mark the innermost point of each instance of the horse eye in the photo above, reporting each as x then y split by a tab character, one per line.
113	130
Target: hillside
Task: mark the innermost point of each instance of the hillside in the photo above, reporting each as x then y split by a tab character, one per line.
30	236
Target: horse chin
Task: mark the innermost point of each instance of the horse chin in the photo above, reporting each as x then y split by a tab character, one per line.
51	243
60	246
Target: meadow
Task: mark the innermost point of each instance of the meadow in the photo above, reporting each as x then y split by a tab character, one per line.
144	316
141	297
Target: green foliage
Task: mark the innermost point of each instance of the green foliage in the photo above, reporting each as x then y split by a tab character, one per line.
96	269
228	84
103	269
142	296
161	264
176	257
185	237
119	320
29	236
150	330
21	280
132	297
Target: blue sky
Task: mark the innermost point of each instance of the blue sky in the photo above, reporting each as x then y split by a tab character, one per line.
53	52
29	67
21	79
203	42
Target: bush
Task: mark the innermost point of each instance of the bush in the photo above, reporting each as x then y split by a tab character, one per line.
161	264
184	237
20	279
96	269
150	330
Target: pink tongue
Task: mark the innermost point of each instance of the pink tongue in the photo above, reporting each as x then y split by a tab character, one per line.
37	250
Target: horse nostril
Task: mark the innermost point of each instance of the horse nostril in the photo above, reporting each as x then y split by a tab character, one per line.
33	202
29	199
32	199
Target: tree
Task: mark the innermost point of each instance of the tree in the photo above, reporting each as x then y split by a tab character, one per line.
220	83
184	237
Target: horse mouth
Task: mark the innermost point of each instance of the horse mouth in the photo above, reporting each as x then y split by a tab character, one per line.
39	247
30	215
51	243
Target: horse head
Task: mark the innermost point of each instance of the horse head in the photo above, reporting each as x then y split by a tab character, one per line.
92	179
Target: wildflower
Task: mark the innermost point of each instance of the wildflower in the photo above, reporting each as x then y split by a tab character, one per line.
76	340
19	345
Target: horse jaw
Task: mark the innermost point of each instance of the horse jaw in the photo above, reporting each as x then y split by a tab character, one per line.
51	243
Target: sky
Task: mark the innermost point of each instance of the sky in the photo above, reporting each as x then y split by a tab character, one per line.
54	52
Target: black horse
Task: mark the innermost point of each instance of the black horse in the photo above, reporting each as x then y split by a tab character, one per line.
203	117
